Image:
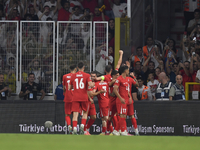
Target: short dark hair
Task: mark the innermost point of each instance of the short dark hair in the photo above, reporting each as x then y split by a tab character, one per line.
111	19
93	72
31	74
80	65
174	64
158	68
123	68
152	62
186	61
139	47
1	74
72	67
197	10
108	68
140	78
114	72
63	2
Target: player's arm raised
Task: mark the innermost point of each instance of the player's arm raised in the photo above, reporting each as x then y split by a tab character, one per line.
135	80
117	94
120	59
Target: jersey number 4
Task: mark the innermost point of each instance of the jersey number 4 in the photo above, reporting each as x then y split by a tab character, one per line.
79	84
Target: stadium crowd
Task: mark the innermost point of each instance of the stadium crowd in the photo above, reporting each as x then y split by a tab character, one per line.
147	62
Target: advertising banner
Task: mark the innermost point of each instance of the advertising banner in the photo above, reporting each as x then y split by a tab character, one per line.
153	118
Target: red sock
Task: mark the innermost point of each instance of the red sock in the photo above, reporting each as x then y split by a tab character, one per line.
115	121
90	123
74	124
104	129
68	120
83	121
122	124
134	122
111	128
108	125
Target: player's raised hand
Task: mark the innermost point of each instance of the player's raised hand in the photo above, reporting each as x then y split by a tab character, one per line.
121	52
132	74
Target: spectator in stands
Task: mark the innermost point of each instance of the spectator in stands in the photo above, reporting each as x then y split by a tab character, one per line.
150	45
50	3
172	71
74	3
138	70
89	4
148	69
5	91
138	57
185	72
118	8
194	66
152	84
30	89
10	78
31	12
85	35
46	13
162	91
111	26
110	56
144	92
134	92
177	90
193	23
169	49
157	72
189	7
108	9
99	16
34	67
63	13
59	92
48	76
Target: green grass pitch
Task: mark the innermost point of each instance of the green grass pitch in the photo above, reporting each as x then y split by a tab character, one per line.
96	142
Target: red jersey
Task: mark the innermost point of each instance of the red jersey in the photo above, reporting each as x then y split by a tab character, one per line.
185	77
63	15
68	93
131	82
123	88
80	81
194	75
103	98
108	78
112	98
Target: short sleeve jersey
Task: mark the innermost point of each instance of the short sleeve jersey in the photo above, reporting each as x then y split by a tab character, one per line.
80	81
68	93
34	89
103	98
131	82
123	85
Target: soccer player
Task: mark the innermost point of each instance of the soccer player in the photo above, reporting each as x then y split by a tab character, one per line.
112	107
103	100
130	107
68	96
92	109
121	90
80	82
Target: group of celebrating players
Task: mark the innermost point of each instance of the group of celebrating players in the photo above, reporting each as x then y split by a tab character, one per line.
114	98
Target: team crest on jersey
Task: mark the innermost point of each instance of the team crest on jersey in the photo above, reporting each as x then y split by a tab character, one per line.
117	81
68	76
